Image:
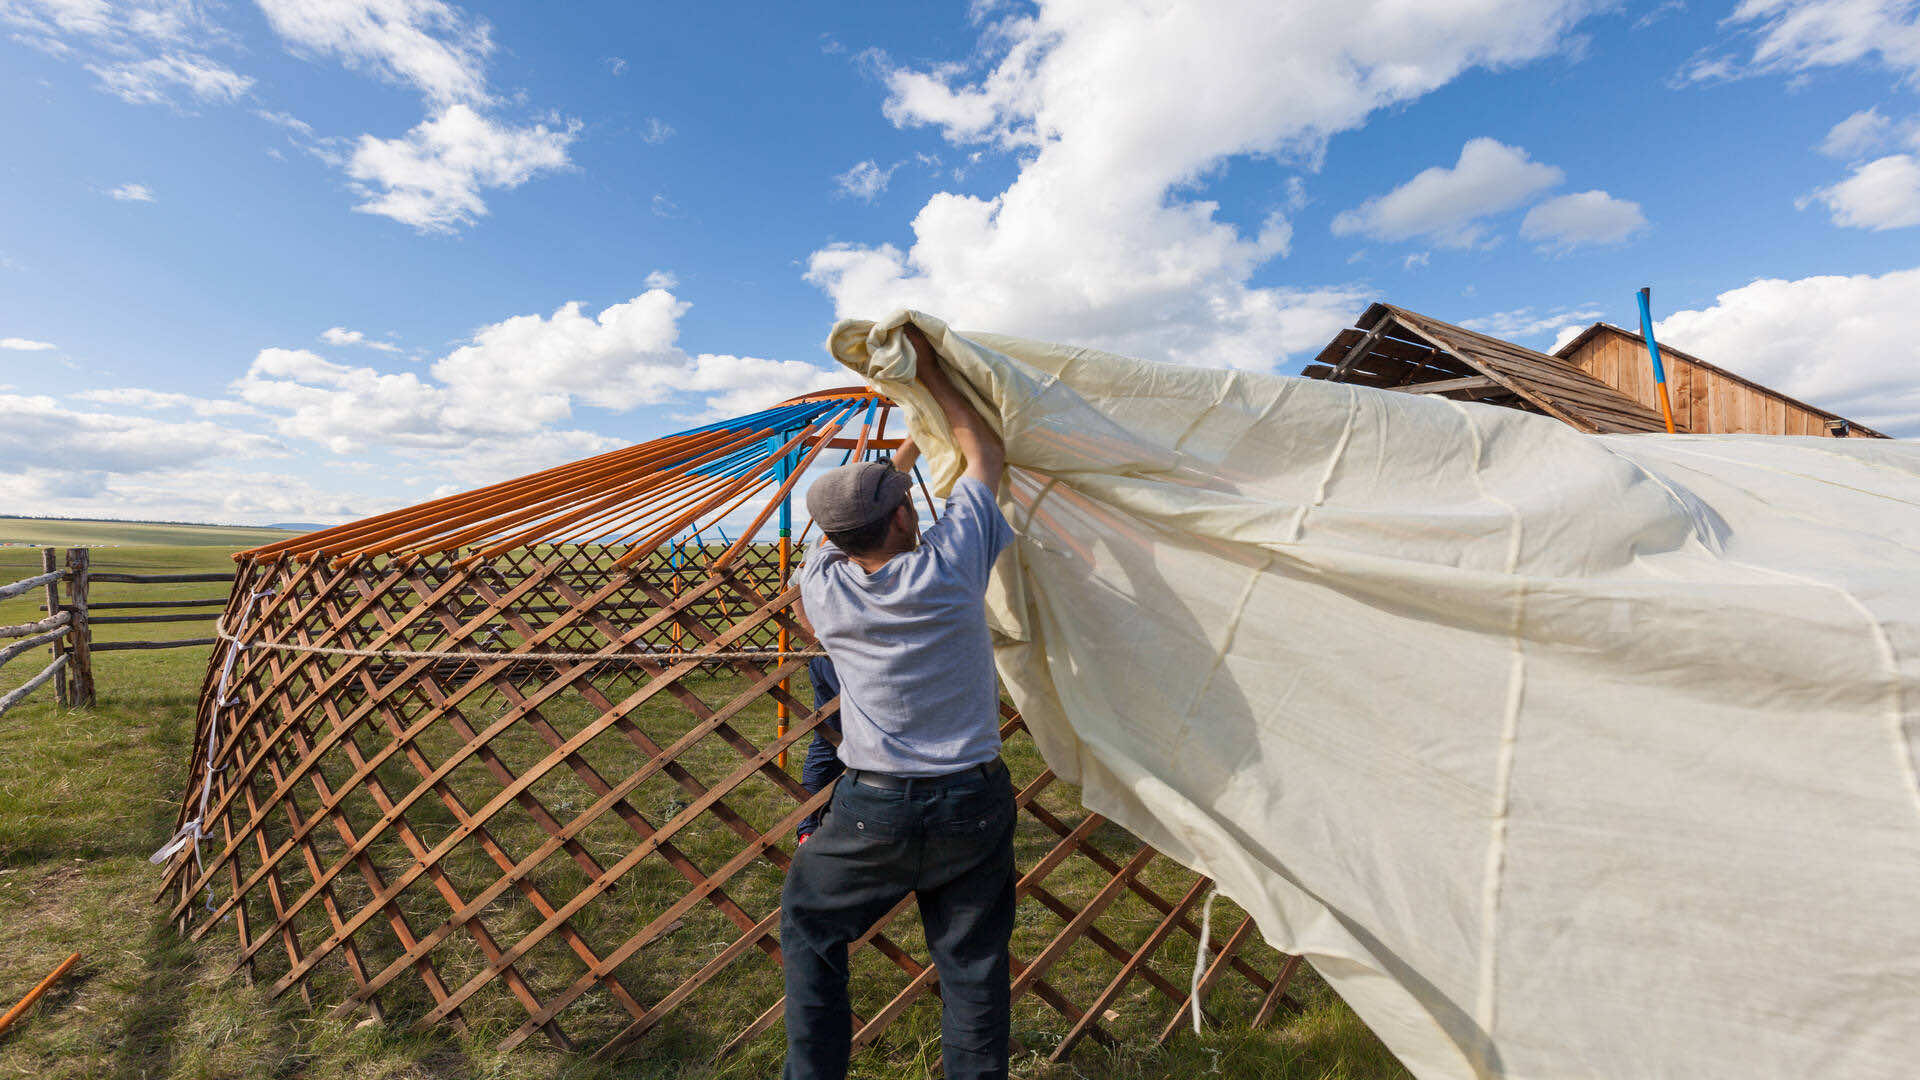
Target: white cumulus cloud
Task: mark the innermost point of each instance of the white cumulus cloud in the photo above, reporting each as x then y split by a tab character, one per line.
432	46
219	493
1450	205
1587	217
341	336
495	406
1844	343
1880	194
143	398
1564	335
1103	238
132	193
432	177
1857	135
626	356
38	432
26	345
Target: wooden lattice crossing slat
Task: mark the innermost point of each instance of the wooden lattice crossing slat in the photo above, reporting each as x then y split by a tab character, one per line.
591	849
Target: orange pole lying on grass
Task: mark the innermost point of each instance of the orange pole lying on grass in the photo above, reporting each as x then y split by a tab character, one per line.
34	994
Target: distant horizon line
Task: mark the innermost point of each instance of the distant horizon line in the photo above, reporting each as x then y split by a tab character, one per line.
284	526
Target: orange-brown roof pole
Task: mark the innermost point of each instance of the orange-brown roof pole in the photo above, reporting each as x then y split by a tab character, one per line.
1653	353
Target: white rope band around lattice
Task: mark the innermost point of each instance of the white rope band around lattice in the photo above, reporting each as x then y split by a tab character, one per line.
489	657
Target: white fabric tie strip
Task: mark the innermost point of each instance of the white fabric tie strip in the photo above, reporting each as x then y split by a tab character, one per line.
194	831
492	656
1556	755
1200	955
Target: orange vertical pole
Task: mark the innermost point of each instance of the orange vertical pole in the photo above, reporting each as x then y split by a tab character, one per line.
676	595
786	561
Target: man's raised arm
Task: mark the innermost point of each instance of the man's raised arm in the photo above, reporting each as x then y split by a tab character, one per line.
980	443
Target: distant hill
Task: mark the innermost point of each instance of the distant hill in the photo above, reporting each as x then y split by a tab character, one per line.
80	532
295	526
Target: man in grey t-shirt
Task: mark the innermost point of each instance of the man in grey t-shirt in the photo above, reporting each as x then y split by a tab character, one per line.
925	805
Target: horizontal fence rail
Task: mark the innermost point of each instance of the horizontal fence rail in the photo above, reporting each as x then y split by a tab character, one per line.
131	646
68	626
34	642
8	592
58	619
159	579
14	697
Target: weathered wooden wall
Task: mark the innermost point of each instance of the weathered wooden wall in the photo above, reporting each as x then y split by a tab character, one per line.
1705	399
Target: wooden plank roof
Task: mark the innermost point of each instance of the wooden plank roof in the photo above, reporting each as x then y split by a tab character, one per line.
1573	347
1397	349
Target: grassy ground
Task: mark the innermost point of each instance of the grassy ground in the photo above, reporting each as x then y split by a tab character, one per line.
84	797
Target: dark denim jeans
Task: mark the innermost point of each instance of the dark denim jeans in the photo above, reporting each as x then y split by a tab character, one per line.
950	842
822	765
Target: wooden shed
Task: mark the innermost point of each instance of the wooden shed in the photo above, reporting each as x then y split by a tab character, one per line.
1706	399
1599	383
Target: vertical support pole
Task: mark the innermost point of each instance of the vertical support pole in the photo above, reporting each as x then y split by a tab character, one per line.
781	473
1653	353
676	592
718	596
48	564
82	631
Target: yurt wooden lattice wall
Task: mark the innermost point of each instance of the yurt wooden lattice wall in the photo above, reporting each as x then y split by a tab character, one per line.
518	760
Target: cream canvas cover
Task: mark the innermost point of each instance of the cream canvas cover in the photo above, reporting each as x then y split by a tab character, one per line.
1556	755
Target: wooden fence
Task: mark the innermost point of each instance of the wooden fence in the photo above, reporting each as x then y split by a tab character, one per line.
67	629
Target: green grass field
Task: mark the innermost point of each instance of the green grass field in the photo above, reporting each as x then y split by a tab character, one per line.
85	796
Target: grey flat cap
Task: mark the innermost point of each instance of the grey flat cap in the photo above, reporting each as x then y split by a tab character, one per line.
855	495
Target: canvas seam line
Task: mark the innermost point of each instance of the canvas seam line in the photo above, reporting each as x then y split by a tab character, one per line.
1903	752
1326	477
1896	695
1231	382
1486	1010
1226	644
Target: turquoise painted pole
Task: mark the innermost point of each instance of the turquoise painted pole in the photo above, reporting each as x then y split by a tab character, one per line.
1653	353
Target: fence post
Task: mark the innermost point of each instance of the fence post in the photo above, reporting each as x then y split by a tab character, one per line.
48	565
81	665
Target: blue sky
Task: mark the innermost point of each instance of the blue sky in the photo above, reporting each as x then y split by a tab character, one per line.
309	259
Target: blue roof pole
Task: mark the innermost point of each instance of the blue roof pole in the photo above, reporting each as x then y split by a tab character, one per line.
872	406
780	473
